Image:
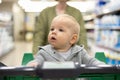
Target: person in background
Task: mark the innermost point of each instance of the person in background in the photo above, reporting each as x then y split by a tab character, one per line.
63	36
43	22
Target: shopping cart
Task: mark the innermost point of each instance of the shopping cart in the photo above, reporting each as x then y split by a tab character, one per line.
30	73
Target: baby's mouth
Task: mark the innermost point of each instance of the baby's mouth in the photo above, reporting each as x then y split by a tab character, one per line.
53	38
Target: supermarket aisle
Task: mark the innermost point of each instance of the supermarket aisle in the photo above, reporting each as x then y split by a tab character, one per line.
14	58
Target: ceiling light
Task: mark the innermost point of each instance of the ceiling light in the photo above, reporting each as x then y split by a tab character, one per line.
0	1
37	6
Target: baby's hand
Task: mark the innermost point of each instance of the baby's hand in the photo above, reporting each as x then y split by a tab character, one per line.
32	64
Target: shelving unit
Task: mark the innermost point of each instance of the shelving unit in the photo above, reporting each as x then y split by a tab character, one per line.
90	37
6	34
107	32
89	25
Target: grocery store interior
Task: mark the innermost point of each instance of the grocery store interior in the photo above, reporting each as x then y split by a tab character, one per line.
17	22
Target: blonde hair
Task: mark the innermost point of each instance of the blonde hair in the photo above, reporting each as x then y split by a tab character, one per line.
73	24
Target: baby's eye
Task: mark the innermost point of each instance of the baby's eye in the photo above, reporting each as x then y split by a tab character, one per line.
61	30
51	29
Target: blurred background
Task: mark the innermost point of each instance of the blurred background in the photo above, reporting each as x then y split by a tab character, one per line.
17	19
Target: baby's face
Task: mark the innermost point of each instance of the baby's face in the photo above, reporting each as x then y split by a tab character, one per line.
60	34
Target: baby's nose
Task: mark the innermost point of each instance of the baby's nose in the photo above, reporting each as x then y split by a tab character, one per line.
54	31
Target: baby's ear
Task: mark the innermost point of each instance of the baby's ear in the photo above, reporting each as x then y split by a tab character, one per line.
74	39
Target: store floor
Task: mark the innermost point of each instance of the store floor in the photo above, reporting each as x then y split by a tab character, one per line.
14	57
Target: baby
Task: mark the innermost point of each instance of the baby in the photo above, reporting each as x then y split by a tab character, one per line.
62	38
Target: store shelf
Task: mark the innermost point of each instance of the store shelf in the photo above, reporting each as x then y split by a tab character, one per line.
6	34
107	12
109	48
107	31
113	29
